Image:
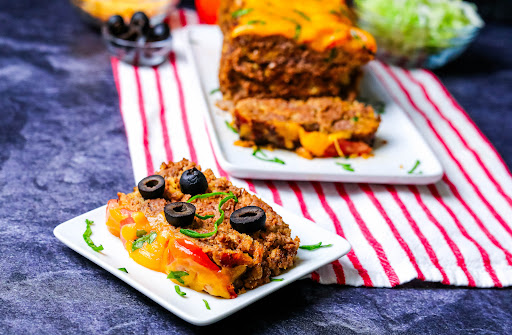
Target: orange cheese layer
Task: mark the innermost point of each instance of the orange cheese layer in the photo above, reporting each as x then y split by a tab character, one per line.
315	143
321	24
170	252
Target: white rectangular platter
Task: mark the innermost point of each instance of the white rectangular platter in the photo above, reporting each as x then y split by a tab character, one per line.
397	148
191	308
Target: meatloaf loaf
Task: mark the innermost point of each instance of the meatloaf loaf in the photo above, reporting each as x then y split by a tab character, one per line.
224	263
317	127
291	49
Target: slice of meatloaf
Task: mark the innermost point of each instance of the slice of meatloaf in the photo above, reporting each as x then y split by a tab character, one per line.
291	50
323	127
248	260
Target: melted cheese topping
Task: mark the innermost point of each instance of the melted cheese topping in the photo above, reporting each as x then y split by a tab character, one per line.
321	24
162	254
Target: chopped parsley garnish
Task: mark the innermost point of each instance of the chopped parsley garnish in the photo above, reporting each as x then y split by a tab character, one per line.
262	156
206	304
87	237
178	290
301	13
233	129
204	217
123	269
177	276
141	232
355	118
298	29
215	90
241	12
411	171
347	167
315	246
333	12
195	234
256	22
139	243
276	279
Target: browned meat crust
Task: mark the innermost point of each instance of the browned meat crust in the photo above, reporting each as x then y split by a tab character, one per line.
279	67
265	253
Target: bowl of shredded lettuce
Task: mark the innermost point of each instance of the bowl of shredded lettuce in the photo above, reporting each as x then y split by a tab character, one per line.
419	33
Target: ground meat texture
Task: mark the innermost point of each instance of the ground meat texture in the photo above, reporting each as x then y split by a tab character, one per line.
279	67
258	120
265	253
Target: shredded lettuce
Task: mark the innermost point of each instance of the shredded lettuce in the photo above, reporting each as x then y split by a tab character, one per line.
413	24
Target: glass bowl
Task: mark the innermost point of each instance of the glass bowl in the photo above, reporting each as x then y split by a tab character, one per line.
400	44
96	12
139	52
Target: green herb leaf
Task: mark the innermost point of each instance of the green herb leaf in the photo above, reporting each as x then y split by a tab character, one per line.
178	290
233	129
298	29
177	276
355	118
315	246
139	243
411	171
123	269
347	167
206	195
241	12
276	279
262	156
302	14
215	90
87	237
195	234
256	22
141	232
204	217
206	304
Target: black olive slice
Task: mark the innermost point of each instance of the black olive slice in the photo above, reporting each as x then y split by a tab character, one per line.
193	182
152	187
248	219
180	213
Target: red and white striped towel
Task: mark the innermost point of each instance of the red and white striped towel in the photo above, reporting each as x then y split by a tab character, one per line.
457	231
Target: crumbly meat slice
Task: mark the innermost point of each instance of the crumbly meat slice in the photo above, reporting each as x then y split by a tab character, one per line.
326	115
278	66
265	253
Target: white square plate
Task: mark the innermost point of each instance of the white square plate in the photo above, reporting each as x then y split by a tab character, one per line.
191	308
398	144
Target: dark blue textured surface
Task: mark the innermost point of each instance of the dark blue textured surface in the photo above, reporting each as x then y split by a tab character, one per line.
64	152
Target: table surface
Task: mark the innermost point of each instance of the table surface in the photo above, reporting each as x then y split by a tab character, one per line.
64	152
